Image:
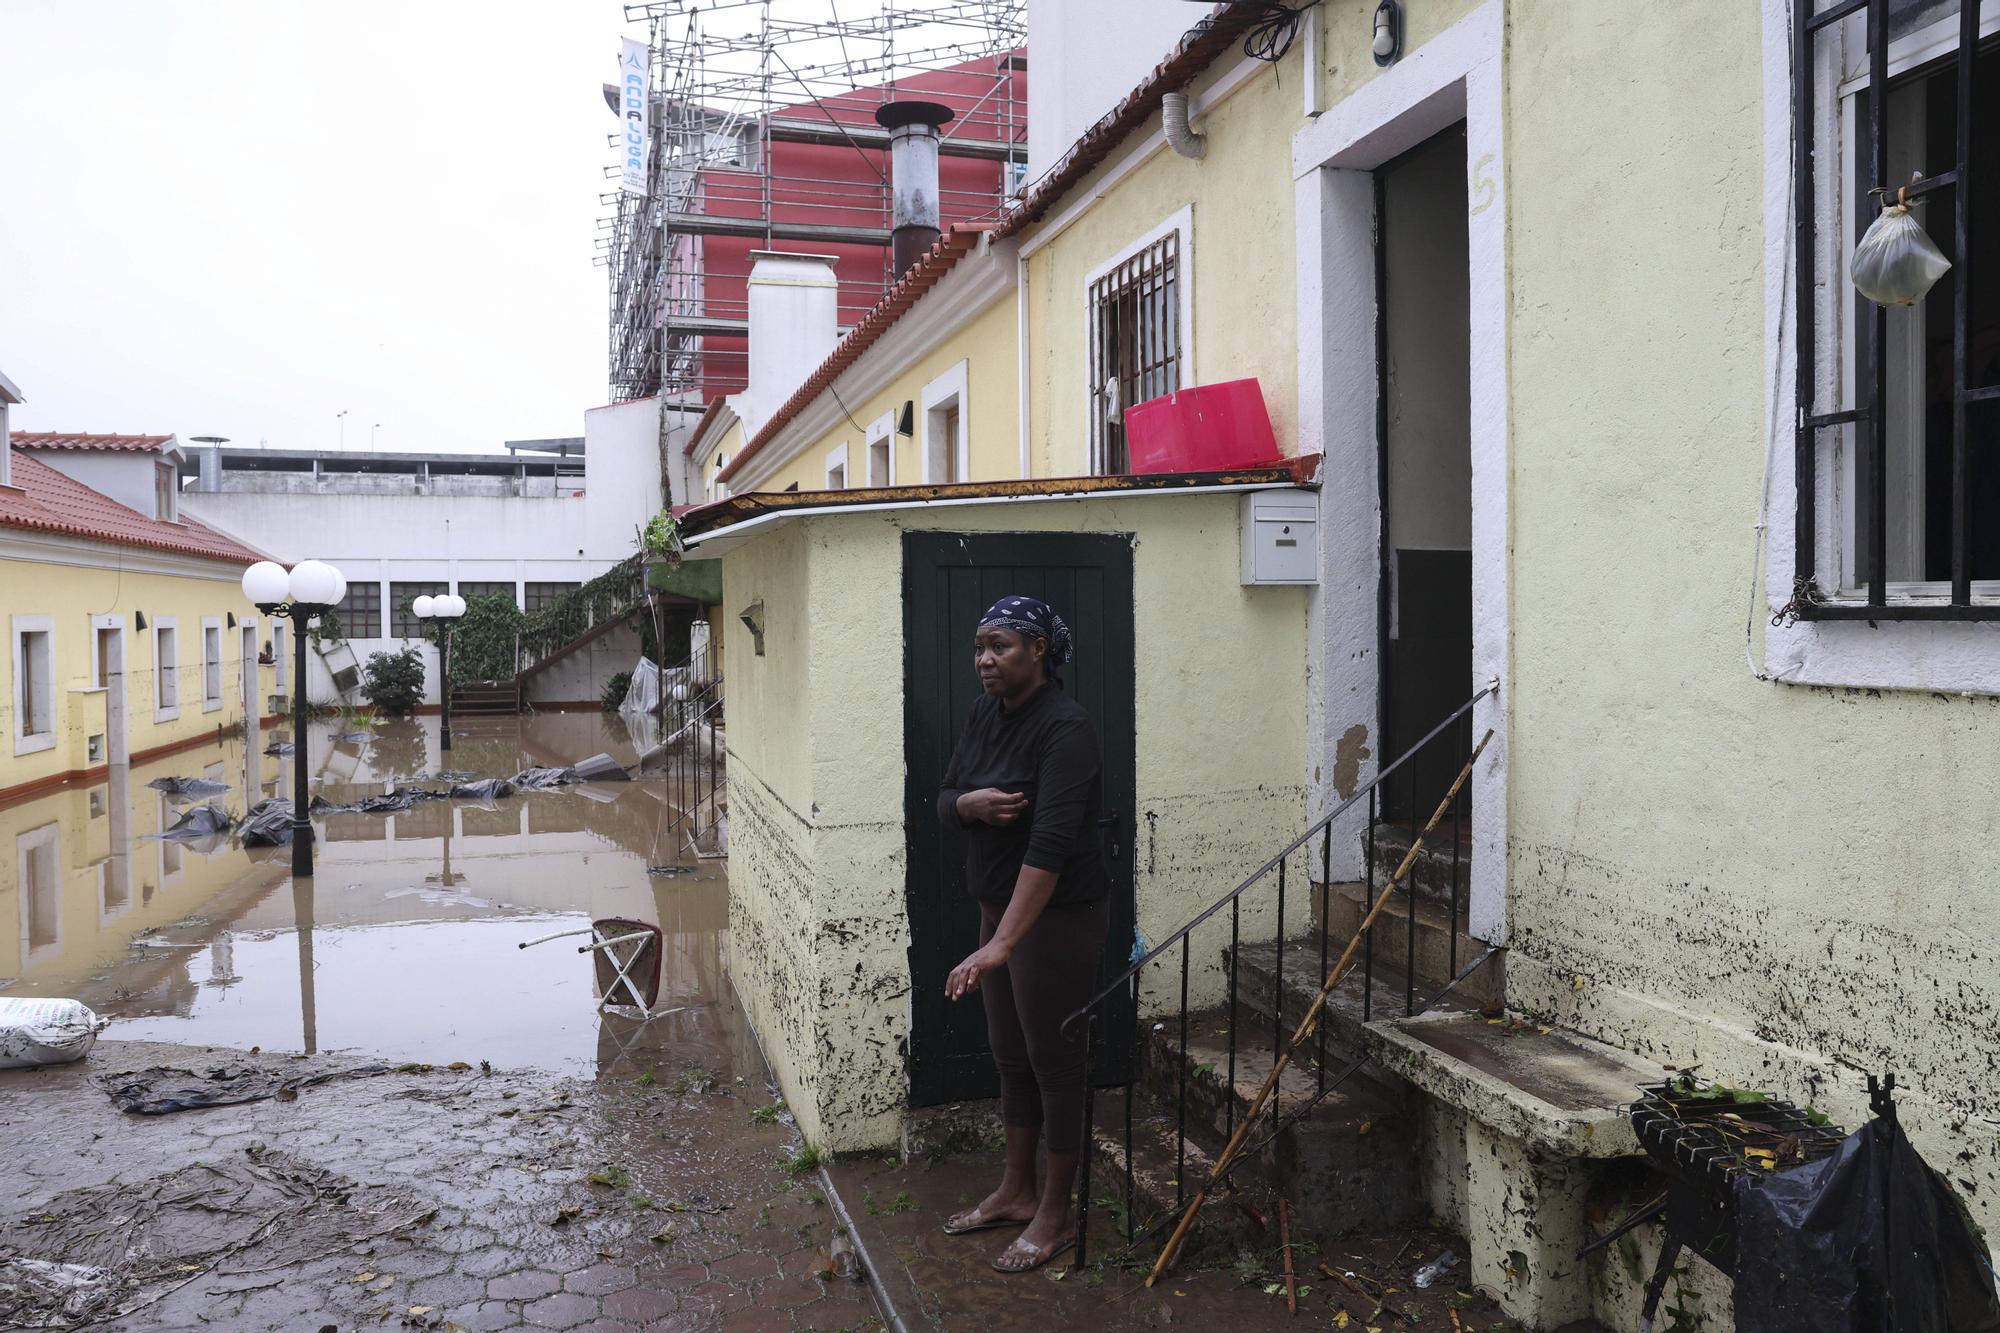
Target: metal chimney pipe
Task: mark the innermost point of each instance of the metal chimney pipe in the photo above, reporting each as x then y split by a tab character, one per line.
913	176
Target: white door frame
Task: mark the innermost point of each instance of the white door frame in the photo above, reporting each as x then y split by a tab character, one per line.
1455	76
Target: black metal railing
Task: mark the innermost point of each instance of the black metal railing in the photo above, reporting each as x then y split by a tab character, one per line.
1442	752
690	751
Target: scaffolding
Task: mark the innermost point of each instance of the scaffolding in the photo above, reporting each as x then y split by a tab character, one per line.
763	136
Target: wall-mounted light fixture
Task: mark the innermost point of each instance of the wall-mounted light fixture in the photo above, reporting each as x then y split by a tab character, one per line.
1388	42
906	420
139	620
753	620
230	616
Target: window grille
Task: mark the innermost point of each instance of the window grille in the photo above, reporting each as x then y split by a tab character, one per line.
540	596
360	612
403	622
472	590
1896	429
1135	345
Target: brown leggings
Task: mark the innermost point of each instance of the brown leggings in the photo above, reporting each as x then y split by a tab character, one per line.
1050	975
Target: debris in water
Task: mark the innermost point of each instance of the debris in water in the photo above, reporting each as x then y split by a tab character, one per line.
187	788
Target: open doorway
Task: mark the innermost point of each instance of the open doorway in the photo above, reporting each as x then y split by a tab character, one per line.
1424	389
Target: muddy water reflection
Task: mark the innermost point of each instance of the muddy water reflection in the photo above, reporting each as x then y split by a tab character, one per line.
404	944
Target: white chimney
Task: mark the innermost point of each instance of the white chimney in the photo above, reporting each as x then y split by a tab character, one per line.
794	324
9	395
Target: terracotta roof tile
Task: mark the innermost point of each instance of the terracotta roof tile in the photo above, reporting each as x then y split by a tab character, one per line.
49	501
1195	52
956	242
56	439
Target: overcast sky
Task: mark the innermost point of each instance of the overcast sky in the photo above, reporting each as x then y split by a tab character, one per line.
241	218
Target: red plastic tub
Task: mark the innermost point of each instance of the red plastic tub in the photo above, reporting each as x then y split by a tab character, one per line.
1206	428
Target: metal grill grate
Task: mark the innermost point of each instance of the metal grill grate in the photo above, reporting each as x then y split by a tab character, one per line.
1135	345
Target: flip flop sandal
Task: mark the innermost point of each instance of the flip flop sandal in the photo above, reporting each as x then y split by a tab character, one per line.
960	1224
1036	1258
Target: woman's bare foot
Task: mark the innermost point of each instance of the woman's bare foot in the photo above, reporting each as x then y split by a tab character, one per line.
1003	1207
1046	1239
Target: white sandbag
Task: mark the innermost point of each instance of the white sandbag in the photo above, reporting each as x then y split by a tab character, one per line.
45	1032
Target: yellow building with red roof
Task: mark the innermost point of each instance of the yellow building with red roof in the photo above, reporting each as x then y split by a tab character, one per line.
127	636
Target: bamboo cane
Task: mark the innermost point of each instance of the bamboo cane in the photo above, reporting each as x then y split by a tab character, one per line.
1310	1021
1285	1240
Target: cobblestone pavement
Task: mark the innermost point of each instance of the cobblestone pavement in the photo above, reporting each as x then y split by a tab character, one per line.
650	1198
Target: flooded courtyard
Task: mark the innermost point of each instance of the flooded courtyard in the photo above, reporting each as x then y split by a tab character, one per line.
404	944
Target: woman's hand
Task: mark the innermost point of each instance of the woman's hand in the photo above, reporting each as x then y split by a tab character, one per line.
965	978
990	805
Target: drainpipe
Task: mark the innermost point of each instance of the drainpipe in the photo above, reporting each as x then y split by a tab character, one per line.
913	176
1174	123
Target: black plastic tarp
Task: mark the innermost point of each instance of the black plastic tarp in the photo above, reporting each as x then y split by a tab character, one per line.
542	779
201	823
188	788
1869	1240
486	789
269	824
389	803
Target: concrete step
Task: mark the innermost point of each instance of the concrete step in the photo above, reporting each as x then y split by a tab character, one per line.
1268	992
486	700
1167	1170
1436	866
1441	945
1344	1154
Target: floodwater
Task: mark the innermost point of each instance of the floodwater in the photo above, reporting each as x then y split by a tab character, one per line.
405	942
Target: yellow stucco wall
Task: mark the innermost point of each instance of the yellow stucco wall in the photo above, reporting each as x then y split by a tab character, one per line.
988	346
1347	34
1788	886
71	594
818	932
1245	306
78	906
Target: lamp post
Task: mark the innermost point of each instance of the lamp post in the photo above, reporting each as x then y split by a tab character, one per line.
309	590
443	609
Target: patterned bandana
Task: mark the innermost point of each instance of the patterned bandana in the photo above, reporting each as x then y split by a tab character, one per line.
1031	615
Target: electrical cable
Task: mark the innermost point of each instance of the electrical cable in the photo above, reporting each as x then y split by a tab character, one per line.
1272	33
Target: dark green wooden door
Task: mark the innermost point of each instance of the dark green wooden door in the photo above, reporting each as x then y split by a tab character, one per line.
949	579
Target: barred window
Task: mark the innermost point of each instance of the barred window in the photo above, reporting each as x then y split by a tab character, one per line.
1898	407
360	612
1135	344
541	595
403	622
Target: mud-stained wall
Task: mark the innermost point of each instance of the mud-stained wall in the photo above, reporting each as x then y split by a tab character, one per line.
1220	691
1245	308
1788	886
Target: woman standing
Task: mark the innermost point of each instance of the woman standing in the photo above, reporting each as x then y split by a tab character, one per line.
1023	783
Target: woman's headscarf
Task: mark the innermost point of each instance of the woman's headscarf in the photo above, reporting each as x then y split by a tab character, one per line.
1032	615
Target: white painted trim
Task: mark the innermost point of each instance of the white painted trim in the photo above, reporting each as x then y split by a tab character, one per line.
1199	105
726	539
209	705
85	553
1181	223
950	389
49	837
882	431
1454	76
1941	656
163	711
837	458
961	296
33	742
1021	393
98	622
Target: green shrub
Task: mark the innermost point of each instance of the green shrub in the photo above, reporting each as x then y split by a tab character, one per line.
615	688
394	682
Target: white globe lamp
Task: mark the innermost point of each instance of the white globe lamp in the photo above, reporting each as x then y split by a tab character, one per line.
266	583
424	607
315	583
451	606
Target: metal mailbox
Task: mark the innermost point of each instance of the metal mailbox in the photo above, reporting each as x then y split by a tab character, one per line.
1280	537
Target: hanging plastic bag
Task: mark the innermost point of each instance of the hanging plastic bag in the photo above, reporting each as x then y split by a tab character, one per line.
1896	262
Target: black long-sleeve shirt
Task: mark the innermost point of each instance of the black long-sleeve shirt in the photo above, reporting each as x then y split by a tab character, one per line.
1047	751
